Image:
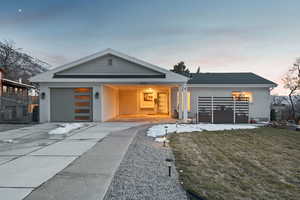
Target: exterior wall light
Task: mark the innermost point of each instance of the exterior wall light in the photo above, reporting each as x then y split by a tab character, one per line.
43	95
97	95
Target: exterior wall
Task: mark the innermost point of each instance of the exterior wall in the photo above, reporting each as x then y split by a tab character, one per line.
258	109
45	103
174	101
100	66
110	102
128	102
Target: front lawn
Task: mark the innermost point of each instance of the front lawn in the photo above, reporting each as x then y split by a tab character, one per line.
262	163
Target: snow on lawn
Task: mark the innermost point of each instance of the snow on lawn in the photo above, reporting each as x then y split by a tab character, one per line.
160	130
66	128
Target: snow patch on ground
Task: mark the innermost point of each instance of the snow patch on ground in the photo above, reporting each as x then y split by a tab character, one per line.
161	129
66	128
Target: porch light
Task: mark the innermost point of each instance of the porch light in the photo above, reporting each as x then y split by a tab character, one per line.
97	95
149	90
169	162
43	95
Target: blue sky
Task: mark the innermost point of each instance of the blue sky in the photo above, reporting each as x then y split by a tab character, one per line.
262	36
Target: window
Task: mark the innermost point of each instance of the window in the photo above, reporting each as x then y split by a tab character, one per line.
239	95
4	89
188	101
82	90
82	104
83	97
82	118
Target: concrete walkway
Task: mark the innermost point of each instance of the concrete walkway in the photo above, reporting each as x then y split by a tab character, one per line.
46	156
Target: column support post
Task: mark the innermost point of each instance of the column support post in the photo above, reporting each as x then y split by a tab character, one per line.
185	102
180	116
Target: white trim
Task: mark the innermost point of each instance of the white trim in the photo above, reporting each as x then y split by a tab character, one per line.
48	76
185	102
48	95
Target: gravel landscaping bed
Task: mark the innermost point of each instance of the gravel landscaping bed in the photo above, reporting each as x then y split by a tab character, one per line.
143	173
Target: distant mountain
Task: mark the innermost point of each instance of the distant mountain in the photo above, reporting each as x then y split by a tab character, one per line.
20	65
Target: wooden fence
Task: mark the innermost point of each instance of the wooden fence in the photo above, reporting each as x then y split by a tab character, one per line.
18	109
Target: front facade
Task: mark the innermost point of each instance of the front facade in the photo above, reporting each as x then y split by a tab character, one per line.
110	85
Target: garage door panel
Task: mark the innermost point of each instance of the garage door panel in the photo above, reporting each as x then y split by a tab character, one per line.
223	110
71	104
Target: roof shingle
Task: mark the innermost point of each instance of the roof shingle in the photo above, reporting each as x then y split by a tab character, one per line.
228	78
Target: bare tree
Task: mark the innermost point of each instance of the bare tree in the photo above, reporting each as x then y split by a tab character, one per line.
17	64
9	54
291	82
279	100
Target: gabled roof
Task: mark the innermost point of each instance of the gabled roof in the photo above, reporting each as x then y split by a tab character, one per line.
49	76
228	78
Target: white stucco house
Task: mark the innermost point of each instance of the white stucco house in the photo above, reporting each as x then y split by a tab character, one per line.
110	85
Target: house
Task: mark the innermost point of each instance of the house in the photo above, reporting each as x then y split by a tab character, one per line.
15	102
111	85
13	88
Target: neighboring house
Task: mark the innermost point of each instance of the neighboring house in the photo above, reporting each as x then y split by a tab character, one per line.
15	103
111	85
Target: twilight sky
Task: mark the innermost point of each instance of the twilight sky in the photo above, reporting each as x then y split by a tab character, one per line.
261	36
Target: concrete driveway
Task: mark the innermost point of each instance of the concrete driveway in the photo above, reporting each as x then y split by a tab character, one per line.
30	156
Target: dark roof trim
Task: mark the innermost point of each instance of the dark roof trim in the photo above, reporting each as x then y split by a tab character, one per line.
110	76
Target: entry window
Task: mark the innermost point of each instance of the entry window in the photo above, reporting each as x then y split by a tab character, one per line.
82	104
240	94
188	101
82	110
4	89
82	90
83	97
82	118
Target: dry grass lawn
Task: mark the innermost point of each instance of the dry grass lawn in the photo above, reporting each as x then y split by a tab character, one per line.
261	163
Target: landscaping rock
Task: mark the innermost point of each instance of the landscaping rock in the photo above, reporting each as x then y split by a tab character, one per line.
143	173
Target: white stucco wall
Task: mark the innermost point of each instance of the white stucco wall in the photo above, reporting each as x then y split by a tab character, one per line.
174	101
44	104
110	103
259	108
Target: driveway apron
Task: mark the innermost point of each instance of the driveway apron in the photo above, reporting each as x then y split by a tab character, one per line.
79	166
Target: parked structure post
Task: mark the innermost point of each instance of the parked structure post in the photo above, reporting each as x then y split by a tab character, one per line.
180	103
234	102
185	102
212	109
